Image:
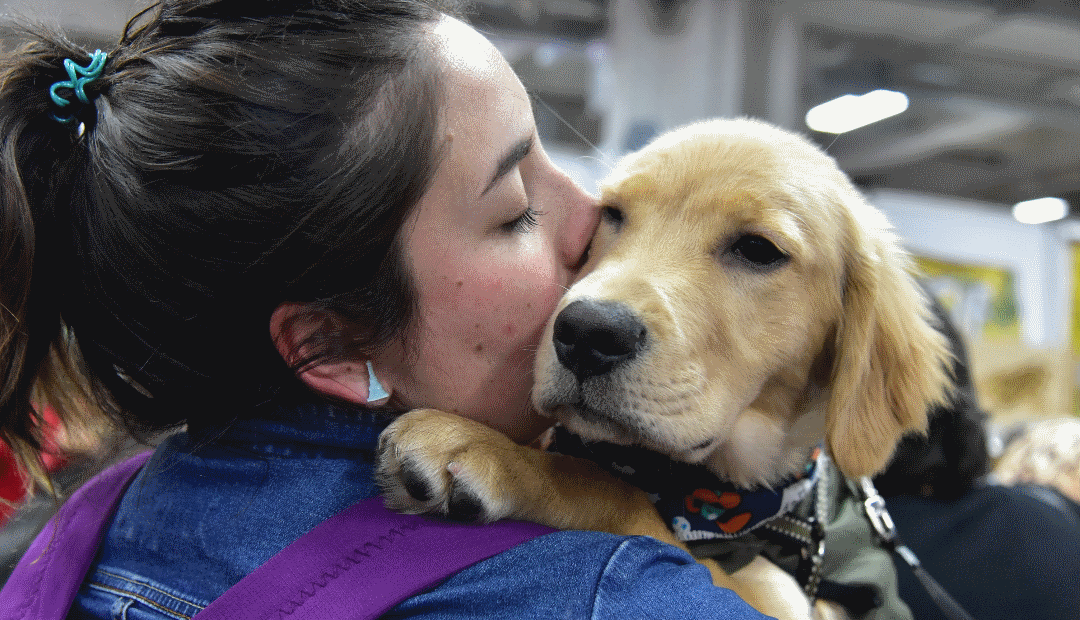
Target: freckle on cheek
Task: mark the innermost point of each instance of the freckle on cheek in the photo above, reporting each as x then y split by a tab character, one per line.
479	348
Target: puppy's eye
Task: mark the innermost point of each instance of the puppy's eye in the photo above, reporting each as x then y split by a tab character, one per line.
612	215
758	251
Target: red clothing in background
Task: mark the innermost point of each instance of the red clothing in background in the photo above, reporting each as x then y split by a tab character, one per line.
12	479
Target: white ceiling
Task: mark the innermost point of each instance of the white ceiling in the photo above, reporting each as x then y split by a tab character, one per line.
994	84
994	88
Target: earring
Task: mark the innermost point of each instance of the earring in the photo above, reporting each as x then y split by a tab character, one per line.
377	394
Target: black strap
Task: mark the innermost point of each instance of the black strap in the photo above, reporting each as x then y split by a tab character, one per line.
874	505
808	534
857	598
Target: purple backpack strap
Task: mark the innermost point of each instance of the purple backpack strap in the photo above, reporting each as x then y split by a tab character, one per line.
46	579
361	562
357	564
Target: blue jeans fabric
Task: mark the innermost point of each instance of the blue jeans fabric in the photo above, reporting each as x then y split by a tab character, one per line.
214	503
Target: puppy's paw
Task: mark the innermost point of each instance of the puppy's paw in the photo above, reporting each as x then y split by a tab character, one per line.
439	463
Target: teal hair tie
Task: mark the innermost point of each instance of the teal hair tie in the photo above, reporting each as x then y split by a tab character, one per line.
78	78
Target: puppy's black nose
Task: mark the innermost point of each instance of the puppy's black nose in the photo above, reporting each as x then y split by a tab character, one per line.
591	337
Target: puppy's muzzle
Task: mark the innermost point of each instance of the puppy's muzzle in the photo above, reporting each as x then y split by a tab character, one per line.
593	337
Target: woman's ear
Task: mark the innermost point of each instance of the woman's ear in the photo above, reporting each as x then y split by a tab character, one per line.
351	381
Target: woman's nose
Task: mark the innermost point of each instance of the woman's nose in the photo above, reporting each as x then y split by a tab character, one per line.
583	216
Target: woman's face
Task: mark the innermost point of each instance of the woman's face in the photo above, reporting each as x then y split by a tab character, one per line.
491	247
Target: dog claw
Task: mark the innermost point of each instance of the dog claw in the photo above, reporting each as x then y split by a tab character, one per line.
415	484
420	476
464	506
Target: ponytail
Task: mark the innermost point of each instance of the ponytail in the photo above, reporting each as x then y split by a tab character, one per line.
232	156
42	169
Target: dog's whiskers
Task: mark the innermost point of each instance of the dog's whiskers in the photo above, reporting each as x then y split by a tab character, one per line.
605	161
604	158
835	138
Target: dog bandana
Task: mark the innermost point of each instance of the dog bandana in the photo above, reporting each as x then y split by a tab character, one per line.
695	503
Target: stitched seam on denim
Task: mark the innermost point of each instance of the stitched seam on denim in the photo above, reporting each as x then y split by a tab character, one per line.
345	562
604	575
141	599
128	602
148	586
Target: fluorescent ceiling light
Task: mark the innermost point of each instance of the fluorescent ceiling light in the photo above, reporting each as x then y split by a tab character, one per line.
1040	210
852	111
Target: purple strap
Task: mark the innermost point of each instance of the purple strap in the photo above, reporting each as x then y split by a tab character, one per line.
361	562
357	564
48	576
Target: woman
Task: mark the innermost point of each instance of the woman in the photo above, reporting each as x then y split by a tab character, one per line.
260	211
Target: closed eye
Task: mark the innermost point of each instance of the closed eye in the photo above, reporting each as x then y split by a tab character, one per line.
527	221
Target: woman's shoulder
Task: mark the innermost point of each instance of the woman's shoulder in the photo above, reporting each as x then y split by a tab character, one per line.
574	574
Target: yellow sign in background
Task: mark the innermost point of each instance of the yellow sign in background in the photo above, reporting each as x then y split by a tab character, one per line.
981	299
1074	251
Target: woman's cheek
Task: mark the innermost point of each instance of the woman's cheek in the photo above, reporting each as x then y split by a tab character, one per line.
516	296
540	301
546	292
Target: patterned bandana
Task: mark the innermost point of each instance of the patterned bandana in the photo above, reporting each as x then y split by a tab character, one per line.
695	503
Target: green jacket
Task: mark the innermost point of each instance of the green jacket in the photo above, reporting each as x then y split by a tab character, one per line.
853	553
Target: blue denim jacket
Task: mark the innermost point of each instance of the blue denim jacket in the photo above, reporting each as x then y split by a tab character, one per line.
215	503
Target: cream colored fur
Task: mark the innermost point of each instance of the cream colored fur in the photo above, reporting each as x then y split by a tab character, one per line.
745	367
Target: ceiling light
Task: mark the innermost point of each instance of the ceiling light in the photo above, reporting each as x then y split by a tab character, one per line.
852	111
1040	210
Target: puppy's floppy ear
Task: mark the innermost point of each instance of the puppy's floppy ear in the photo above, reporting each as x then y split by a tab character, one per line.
890	361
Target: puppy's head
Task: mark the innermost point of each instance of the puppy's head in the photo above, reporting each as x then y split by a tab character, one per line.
742	302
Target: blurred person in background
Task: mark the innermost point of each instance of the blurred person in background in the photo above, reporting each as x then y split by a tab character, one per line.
1000	551
1044	453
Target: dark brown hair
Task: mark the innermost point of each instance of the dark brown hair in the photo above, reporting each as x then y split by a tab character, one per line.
235	155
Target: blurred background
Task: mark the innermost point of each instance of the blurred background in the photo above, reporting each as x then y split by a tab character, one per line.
981	107
960	119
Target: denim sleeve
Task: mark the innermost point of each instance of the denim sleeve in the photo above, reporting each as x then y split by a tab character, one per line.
580	576
648	579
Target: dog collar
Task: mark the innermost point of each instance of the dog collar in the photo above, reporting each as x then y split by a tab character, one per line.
694	503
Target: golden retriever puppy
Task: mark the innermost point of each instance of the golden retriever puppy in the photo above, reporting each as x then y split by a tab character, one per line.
742	304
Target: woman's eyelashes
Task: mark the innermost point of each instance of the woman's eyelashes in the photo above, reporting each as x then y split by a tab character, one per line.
527	221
